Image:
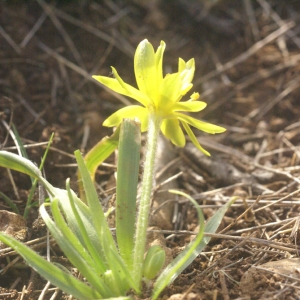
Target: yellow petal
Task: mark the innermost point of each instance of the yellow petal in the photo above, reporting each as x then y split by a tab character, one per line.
181	65
145	69
187	74
172	130
206	127
169	92
129	112
158	62
119	86
193	138
186	70
191	106
185	88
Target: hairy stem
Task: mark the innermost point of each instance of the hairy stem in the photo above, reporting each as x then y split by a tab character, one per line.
145	202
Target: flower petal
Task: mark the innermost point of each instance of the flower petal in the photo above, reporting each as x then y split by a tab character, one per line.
169	93
119	86
206	127
145	69
158	63
181	65
172	130
130	112
191	106
186	70
193	138
185	88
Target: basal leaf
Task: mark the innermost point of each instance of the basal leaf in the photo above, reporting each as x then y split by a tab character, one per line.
50	272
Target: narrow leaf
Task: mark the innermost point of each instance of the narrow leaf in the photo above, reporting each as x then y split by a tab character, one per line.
19	141
180	262
127	182
18	163
72	248
120	271
186	257
34	181
96	212
50	272
8	201
95	253
101	151
96	156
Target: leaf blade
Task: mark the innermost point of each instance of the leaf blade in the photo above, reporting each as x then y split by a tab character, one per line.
55	275
72	248
186	257
127	182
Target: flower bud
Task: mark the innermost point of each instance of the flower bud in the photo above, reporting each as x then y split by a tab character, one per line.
154	261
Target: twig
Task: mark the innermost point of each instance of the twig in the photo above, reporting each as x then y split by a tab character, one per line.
44	291
224	288
268	9
268	243
277	273
252	20
80	71
48	9
261	111
98	64
65	77
29	108
34	29
285	174
286	222
279	200
128	50
244	56
10	41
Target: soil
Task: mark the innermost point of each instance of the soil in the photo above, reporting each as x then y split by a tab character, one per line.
247	57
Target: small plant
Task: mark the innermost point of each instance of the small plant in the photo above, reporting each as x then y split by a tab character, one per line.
116	269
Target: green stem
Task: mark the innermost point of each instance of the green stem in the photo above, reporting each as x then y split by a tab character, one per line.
145	202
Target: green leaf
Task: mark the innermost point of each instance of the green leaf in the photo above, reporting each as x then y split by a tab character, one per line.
192	250
18	163
97	217
181	261
84	212
119	270
34	181
15	162
101	151
19	141
50	272
72	248
8	201
127	182
23	165
154	261
96	156
108	246
95	252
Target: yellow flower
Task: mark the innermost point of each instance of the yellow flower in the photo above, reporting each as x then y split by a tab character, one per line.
160	96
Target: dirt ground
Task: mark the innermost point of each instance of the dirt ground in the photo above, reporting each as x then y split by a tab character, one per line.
247	69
